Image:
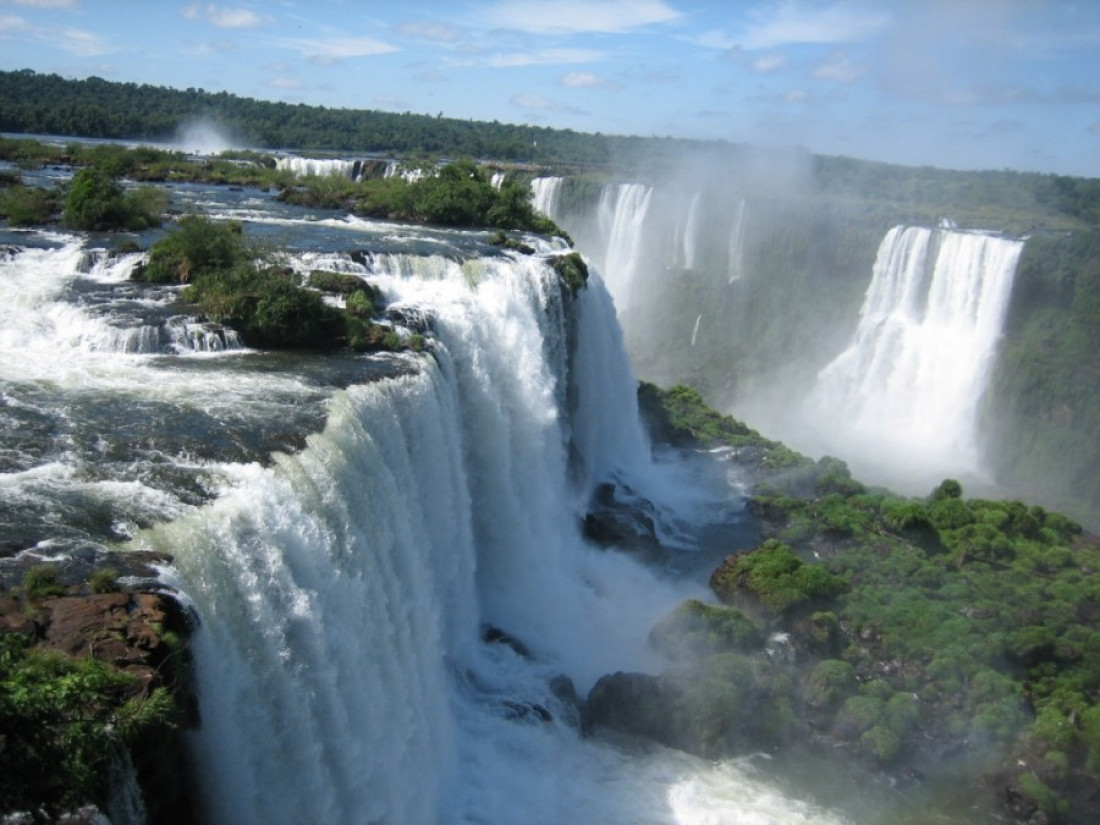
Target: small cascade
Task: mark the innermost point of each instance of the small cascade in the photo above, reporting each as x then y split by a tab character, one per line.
319	167
911	380
736	266
397	169
546	195
497	179
695	329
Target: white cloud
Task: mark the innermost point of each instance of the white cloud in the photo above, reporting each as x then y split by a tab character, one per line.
543	57
434	32
840	69
529	101
284	83
226	18
223	17
75	41
769	63
587	80
333	49
42	4
576	16
791	22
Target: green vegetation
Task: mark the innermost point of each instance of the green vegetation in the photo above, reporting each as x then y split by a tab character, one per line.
776	577
235	284
699	629
63	720
572	269
937	619
457	194
1042	411
97	201
28	205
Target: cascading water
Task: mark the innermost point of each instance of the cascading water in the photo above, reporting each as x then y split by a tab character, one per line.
908	387
319	167
621	216
691	232
735	266
546	195
341	585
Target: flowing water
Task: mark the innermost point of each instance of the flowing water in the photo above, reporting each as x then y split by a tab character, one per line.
345	527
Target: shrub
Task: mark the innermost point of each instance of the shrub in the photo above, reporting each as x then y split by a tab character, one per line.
40	582
196	247
27	205
104	580
776	577
94	201
699	629
829	682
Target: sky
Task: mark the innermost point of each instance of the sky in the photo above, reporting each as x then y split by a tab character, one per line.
956	84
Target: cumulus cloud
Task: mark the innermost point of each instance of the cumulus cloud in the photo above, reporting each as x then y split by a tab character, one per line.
579	16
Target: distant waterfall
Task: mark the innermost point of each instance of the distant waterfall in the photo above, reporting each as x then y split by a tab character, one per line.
736	265
910	382
622	213
319	167
691	231
546	195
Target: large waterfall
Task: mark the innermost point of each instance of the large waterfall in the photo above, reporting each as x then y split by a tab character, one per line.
910	383
342	584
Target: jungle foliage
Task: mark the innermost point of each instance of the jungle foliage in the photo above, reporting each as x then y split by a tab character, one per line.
937	619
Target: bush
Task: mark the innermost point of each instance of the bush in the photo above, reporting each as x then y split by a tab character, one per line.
196	247
27	205
698	630
829	682
775	576
40	582
104	580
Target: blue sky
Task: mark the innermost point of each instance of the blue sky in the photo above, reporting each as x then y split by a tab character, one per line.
961	84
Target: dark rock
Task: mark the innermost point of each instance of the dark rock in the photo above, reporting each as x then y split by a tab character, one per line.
494	635
618	517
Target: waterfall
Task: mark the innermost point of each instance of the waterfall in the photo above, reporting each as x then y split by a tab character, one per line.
736	266
546	195
319	167
621	217
691	232
342	585
910	382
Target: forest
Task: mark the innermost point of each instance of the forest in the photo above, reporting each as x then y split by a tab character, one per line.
33	103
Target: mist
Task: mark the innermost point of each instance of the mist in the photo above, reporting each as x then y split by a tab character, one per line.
205	137
768	284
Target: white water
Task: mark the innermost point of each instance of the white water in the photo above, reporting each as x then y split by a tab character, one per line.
341	590
907	389
621	216
320	167
546	195
691	232
736	262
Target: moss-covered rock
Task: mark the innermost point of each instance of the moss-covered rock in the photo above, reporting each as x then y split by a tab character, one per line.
696	630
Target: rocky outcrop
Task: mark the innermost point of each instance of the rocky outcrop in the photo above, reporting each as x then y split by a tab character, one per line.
135	630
